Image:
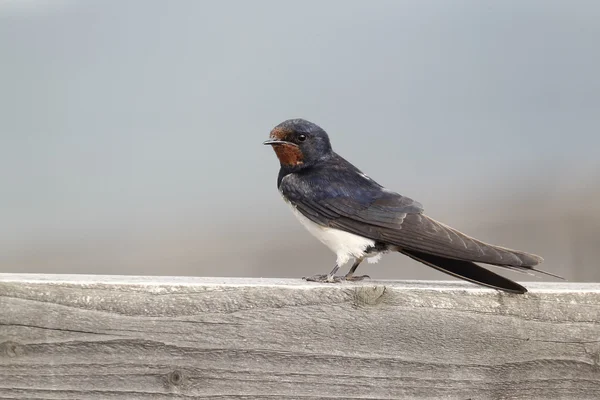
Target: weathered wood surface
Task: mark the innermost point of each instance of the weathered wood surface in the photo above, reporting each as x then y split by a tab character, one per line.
100	337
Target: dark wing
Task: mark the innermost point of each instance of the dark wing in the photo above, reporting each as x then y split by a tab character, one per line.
352	202
325	196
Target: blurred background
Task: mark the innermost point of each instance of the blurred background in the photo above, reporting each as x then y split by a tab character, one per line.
131	131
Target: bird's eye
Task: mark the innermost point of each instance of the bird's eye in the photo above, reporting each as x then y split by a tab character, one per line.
301	138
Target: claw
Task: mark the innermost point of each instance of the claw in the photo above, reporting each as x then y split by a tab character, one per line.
352	278
335	278
323	278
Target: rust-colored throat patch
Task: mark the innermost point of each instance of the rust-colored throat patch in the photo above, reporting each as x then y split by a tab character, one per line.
288	154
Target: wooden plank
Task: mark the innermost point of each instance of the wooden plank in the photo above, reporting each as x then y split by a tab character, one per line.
104	337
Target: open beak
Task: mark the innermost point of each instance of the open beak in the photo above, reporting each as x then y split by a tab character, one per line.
274	142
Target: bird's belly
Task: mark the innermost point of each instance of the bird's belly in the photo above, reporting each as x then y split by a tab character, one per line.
344	244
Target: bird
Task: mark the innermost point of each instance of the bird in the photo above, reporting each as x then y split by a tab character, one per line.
357	218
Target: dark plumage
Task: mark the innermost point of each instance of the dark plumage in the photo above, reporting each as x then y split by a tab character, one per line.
333	194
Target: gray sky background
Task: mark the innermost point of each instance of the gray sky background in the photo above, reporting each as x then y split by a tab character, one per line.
131	131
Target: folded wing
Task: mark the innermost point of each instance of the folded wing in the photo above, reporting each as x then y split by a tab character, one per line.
365	208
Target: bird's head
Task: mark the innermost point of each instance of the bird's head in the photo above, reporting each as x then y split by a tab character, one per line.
299	143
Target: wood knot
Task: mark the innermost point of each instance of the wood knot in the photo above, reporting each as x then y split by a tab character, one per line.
10	349
175	378
368	295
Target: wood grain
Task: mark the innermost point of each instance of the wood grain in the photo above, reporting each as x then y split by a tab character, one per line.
103	337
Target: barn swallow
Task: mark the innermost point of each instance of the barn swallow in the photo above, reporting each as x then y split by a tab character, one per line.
358	218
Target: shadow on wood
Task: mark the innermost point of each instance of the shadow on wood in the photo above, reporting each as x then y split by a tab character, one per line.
100	337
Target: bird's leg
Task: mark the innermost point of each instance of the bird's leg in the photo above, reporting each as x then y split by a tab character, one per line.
350	275
329	278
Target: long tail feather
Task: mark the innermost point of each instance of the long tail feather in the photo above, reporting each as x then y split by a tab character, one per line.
466	270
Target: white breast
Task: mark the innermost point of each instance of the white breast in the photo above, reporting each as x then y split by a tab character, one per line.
345	245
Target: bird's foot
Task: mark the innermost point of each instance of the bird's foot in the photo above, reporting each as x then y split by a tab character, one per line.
353	278
334	278
324	278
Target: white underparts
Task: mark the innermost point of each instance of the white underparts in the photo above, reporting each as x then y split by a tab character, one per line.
345	245
374	258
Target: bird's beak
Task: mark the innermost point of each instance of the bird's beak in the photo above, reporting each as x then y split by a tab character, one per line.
274	142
